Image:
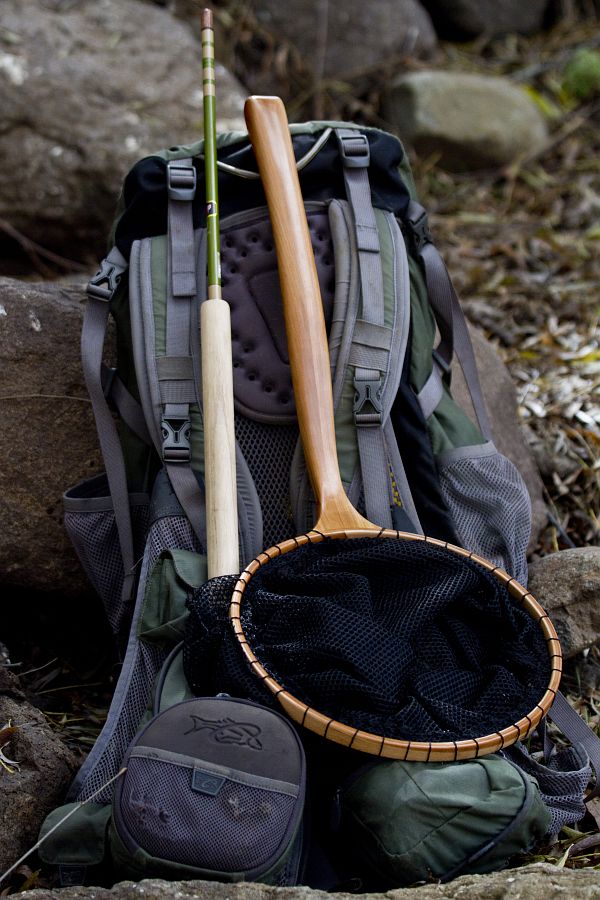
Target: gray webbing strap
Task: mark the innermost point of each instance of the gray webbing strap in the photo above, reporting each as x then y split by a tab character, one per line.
454	335
404	499
175	370
431	393
368	383
100	291
126	405
578	732
181	188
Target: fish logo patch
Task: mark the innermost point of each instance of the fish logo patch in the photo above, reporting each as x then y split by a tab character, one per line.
228	731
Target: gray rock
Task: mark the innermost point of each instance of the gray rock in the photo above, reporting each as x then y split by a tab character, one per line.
45	768
48	439
540	881
501	400
567	584
87	88
470	18
337	38
469	121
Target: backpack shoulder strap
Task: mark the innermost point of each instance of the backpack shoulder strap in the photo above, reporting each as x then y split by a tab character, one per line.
377	344
175	370
100	292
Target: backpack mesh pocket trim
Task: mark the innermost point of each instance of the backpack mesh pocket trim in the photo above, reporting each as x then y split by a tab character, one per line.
490	505
89	519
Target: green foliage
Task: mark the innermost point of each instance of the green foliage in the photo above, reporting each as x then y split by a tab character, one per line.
582	75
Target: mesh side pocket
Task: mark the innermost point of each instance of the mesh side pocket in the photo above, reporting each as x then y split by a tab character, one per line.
489	504
563	780
238	829
142	663
90	523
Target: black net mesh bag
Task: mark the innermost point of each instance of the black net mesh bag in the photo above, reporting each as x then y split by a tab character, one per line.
399	638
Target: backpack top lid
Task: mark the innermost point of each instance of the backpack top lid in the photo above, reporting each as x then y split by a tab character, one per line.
143	206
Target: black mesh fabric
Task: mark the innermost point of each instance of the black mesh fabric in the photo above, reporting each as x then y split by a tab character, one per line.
400	638
268	451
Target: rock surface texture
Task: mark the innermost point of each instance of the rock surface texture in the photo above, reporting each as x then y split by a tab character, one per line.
567	584
29	790
48	439
536	882
88	88
448	114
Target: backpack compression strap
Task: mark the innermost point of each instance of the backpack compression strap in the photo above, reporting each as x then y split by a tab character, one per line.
578	732
454	336
100	292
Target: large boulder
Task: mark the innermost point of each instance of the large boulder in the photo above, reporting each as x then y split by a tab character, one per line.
37	781
87	88
337	39
468	121
567	584
49	438
470	18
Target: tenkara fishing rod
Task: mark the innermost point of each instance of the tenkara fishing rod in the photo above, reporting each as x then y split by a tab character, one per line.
217	370
390	643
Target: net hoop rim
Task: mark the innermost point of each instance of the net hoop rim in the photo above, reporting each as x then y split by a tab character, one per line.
395	748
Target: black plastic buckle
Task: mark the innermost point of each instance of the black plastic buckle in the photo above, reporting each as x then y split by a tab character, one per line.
181	181
354	150
368	394
176	439
418	225
108	274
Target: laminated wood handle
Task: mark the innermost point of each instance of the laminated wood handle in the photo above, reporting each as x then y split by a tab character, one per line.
303	311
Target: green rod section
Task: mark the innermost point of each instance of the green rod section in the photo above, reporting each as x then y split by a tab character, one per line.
210	155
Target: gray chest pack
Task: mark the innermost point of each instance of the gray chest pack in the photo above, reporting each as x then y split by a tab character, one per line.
410	458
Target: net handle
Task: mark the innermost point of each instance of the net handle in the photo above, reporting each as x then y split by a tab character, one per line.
303	311
217	371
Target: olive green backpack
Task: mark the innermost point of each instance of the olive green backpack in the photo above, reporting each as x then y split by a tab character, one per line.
410	457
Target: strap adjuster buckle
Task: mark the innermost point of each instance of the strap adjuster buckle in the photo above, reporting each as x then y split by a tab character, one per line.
181	181
176	432
418	225
105	282
367	402
354	149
